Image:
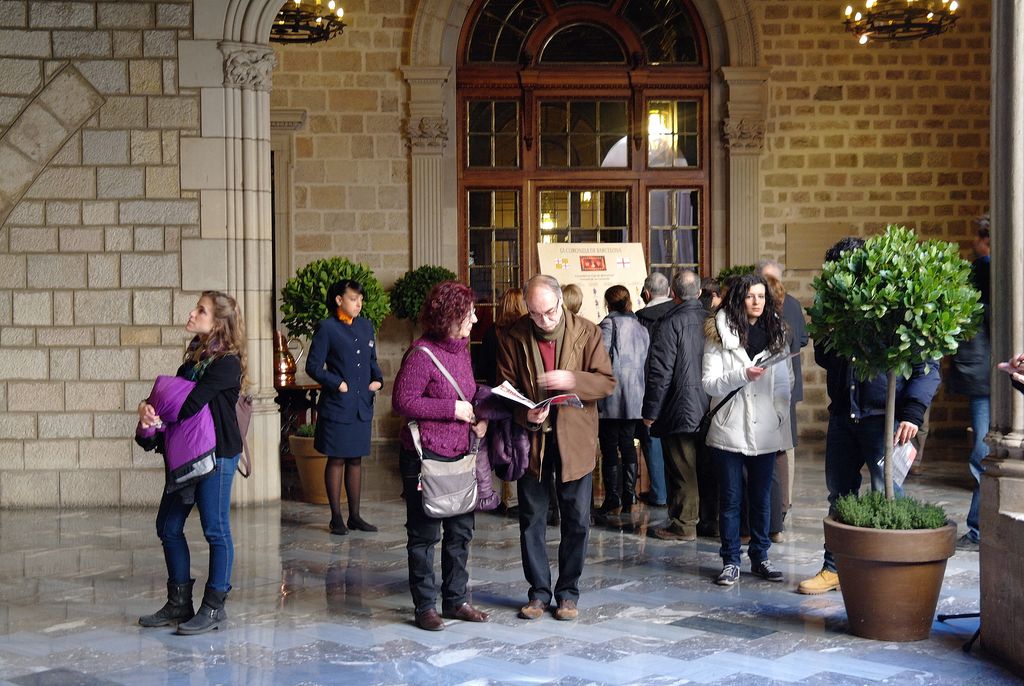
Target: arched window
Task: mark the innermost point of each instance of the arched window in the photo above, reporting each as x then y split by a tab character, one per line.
581	121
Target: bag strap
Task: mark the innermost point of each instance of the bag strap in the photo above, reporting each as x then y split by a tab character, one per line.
443	371
726	399
246	460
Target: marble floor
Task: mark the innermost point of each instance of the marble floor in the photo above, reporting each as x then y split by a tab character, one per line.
310	608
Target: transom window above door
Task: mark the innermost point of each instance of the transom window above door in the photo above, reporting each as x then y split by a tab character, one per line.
581	121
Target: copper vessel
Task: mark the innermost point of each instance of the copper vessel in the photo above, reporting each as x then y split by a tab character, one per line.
284	362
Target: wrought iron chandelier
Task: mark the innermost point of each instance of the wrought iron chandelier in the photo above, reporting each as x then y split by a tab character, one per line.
307	21
900	20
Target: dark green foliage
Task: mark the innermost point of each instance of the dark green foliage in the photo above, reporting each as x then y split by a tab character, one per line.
306	430
735	270
411	289
894	303
304	296
873	511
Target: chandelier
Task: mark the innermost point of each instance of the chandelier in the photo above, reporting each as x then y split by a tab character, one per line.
900	20
307	22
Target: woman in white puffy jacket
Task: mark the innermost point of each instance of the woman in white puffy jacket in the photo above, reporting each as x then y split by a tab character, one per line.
751	426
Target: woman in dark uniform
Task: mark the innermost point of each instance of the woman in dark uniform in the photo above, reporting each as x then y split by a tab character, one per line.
343	360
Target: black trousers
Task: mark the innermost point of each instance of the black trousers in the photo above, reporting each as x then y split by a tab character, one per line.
423	534
574	506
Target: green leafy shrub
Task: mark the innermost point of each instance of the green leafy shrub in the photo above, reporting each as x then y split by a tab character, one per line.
873	510
411	289
735	270
892	304
895	303
304	296
306	430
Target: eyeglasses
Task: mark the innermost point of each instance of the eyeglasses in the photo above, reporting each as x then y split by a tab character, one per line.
550	314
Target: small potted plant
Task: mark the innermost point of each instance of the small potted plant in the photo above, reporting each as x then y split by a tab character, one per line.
310	464
885	307
304	296
411	289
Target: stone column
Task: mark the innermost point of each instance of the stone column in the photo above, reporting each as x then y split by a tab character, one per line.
427	132
1002	486
743	136
247	196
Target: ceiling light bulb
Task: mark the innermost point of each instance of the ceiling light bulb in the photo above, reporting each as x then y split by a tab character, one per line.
341	13
857	16
849	10
953	5
330	5
863	39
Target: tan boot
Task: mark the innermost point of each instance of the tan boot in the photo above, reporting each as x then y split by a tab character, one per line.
822	582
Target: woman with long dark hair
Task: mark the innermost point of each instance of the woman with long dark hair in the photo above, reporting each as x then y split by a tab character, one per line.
215	361
343	360
753	425
423	393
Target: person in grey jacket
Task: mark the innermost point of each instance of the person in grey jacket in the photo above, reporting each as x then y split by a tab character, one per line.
675	402
626	341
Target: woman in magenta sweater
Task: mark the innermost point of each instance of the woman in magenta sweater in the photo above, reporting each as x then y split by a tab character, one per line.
422	393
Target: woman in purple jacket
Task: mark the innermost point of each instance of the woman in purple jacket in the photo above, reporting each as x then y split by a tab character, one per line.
422	393
216	360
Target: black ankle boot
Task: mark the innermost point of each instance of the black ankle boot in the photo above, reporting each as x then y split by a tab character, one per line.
178	607
210	616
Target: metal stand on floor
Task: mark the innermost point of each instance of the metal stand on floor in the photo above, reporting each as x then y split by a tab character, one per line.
965	615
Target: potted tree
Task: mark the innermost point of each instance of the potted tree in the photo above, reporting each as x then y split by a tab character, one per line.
304	296
885	307
411	289
303	306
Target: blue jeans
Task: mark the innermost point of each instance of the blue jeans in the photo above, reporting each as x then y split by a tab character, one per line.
849	445
979	423
213	498
655	459
730	495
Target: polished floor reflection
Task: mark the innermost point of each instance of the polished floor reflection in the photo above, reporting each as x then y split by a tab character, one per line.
310	608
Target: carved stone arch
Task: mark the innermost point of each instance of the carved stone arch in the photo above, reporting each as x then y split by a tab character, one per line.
739	101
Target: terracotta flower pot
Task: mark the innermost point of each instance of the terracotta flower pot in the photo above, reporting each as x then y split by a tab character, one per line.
311	465
890	579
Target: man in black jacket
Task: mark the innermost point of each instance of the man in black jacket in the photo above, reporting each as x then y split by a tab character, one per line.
657	304
674	402
856	425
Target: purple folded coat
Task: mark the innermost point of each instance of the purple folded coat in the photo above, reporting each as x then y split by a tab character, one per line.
190	444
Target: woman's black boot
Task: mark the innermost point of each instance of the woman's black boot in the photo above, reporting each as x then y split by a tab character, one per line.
178	607
210	616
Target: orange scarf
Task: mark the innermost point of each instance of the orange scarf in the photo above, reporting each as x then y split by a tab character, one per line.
344	318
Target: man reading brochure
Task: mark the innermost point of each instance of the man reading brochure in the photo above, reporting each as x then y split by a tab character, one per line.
547	352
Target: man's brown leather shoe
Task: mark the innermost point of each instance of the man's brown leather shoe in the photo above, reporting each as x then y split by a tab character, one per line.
429	620
467	613
667	534
532	610
566	610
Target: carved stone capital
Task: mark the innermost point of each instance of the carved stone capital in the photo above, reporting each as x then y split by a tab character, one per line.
247	66
429	134
745	135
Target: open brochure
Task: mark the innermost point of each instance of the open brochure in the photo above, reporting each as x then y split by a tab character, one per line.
507	390
778	357
902	457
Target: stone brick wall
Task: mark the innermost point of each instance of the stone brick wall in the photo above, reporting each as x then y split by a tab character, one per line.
92	219
350	194
863	136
